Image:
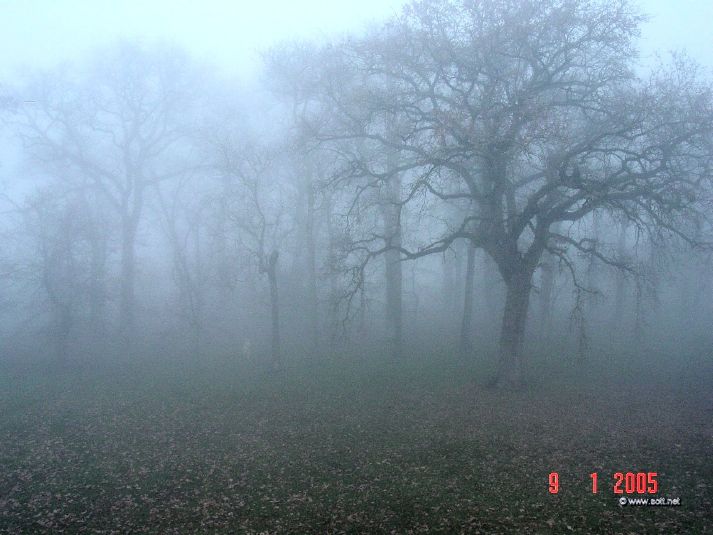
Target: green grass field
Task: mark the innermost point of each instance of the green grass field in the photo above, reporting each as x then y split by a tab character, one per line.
354	446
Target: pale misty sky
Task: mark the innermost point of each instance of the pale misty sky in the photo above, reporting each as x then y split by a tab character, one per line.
41	33
228	33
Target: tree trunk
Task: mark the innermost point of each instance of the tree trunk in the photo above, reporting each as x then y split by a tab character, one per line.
466	342
312	304
460	248
414	295
275	311
97	292
619	297
62	328
362	312
394	317
394	275
127	295
224	265
331	324
391	212
447	286
492	292
592	267
547	284
196	288
512	333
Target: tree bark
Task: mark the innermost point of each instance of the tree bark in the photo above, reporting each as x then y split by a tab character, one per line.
512	332
466	342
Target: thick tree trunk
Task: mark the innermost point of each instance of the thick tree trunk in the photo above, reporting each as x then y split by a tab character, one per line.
512	332
466	342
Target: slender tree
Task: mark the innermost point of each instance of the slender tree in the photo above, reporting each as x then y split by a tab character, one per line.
262	221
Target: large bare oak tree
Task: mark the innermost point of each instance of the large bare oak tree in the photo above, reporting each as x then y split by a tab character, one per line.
531	114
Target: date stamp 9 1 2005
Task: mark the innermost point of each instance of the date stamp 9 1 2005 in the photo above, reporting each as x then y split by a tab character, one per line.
625	483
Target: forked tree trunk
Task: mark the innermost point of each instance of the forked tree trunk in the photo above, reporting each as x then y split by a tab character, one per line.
512	332
466	342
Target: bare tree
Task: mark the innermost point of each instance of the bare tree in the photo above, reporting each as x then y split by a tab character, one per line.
289	69
60	228
182	213
119	129
259	212
532	112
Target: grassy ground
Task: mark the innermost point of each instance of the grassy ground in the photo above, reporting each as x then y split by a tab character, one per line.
348	447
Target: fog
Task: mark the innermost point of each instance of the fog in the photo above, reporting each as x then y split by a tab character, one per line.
356	267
